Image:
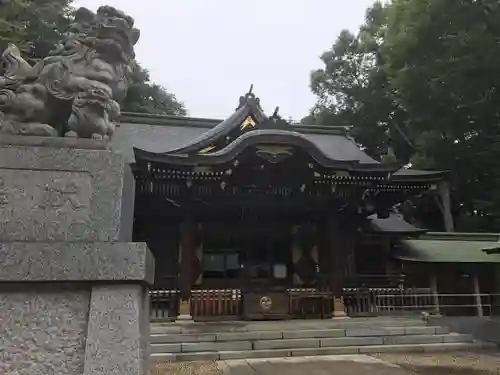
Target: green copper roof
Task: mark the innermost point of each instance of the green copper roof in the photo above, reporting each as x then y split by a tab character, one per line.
394	224
449	248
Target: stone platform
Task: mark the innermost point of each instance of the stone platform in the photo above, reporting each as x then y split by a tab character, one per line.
244	340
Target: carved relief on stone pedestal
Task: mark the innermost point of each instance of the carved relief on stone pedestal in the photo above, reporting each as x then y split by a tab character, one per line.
60	194
4	198
50	206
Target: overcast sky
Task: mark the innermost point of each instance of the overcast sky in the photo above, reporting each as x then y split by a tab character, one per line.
208	52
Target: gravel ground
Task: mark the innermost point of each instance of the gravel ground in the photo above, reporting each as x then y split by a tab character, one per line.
185	368
459	363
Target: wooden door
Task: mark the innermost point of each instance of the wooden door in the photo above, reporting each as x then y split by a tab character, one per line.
266	275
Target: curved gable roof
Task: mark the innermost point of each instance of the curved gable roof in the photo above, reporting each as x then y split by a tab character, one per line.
176	135
249	125
256	137
160	138
248	108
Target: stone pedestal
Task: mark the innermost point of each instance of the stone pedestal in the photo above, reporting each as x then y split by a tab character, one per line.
184	311
73	289
339	308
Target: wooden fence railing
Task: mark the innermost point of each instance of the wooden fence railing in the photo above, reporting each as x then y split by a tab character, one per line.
219	304
226	304
309	303
164	304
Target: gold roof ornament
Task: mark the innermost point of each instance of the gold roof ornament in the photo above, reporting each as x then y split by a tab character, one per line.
206	150
248	122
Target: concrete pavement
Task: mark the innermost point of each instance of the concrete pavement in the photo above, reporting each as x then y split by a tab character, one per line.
318	365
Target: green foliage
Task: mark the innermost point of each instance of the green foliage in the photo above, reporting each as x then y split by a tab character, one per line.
35	26
143	96
442	58
425	73
352	89
11	30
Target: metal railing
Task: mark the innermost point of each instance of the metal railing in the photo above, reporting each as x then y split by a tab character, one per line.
451	304
378	301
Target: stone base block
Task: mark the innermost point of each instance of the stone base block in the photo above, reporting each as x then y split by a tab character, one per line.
118	331
43	329
184	318
74	308
185	312
339	308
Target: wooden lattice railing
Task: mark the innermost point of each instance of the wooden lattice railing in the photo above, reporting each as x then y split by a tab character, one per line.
164	304
309	303
216	304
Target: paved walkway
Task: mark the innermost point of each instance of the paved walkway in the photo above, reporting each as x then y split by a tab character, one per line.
449	363
327	365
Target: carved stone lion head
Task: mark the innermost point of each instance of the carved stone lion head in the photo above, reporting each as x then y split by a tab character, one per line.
110	31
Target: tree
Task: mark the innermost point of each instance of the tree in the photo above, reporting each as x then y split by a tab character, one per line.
11	30
442	59
34	26
424	73
143	96
353	89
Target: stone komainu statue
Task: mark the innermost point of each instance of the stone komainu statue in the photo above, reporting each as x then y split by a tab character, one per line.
76	89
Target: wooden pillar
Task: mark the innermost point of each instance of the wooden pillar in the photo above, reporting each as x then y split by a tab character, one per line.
477	294
434	291
296	255
187	250
340	242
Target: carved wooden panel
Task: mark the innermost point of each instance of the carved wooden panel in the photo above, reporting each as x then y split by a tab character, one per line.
265	305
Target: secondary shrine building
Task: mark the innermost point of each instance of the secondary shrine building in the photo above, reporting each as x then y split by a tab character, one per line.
255	218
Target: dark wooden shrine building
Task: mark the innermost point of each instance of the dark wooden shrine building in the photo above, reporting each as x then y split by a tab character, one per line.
266	209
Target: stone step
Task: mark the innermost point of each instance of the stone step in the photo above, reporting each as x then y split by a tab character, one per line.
295	334
308	343
338	350
242	326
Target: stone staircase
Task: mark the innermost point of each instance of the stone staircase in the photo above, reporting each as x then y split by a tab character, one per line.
243	340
